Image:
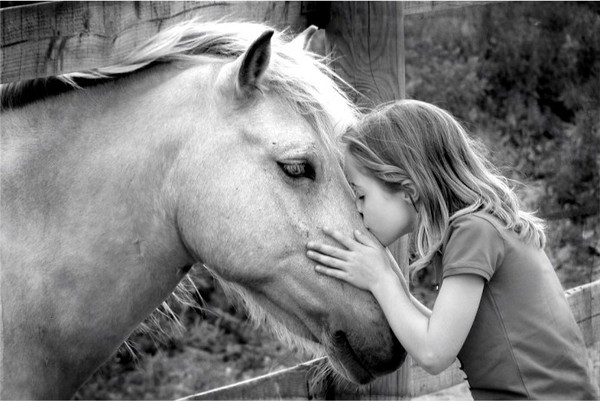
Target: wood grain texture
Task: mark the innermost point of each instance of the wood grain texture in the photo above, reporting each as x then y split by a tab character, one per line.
61	37
429	7
585	304
367	40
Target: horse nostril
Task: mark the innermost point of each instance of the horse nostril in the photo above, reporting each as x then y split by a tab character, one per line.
338	336
340	340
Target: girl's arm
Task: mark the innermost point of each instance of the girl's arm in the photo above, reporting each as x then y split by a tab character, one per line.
432	340
422	308
435	340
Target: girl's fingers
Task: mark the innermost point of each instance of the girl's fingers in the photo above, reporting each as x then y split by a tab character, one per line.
362	238
325	260
327	250
335	273
348	242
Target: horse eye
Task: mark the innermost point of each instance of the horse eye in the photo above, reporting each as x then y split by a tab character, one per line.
298	170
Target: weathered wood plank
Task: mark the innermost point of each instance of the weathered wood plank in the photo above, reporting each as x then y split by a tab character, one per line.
367	39
429	7
61	37
423	383
585	304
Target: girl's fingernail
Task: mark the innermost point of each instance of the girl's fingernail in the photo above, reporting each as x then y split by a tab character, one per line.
358	232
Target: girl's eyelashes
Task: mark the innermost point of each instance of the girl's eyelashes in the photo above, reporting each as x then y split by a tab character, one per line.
298	169
359	197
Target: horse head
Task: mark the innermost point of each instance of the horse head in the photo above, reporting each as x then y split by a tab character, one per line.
216	147
269	179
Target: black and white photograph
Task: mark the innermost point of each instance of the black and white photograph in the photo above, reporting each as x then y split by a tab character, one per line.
245	200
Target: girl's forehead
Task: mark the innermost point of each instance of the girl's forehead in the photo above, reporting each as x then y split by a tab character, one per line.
355	175
349	160
350	165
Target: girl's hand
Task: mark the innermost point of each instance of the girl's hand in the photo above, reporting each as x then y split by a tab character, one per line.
364	263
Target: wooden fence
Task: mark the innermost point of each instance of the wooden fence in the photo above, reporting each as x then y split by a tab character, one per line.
367	39
51	38
296	382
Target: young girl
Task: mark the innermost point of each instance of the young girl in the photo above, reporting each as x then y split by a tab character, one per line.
501	308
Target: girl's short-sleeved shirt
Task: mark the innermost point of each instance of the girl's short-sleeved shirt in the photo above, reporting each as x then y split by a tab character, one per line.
524	342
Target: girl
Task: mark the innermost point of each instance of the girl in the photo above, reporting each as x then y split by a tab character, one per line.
501	308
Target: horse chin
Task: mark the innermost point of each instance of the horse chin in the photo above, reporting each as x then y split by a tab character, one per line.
288	329
295	334
346	362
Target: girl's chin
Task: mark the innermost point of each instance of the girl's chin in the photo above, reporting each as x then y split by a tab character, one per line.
385	242
380	238
389	241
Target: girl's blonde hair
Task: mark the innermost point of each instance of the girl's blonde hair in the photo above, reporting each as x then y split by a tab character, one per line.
417	141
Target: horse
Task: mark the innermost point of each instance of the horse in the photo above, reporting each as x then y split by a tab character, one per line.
211	147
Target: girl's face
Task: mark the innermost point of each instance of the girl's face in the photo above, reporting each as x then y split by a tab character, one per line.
388	216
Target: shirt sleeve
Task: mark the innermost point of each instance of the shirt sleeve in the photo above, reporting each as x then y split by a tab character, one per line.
474	246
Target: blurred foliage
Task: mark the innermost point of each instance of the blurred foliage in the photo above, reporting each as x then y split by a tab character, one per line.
216	346
527	76
523	77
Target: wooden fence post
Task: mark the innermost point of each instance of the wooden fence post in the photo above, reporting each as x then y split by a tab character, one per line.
367	41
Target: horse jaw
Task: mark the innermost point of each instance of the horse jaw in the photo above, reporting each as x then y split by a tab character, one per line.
301	339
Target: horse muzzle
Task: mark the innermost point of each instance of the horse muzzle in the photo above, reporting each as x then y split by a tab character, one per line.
361	363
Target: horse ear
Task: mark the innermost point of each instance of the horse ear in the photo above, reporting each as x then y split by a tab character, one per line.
302	41
253	64
318	43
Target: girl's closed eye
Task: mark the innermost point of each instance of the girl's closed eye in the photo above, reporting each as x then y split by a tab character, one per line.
358	194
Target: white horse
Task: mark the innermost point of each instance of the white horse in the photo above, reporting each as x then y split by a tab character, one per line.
213	145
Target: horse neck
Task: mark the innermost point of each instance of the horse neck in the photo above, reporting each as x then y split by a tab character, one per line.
93	245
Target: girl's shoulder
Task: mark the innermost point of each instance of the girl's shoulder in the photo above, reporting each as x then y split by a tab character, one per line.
473	244
482	222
